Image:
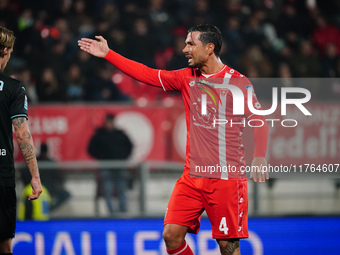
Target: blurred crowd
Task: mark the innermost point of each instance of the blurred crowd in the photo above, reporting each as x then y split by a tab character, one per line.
262	38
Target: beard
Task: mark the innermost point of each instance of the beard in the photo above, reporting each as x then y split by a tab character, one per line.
195	65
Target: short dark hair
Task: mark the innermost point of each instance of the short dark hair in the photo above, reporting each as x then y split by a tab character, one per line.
109	117
209	34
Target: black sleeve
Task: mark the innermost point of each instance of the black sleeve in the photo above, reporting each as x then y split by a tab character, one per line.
19	104
93	148
125	146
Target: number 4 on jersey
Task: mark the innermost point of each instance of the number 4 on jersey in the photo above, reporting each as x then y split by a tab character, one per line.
1	85
223	226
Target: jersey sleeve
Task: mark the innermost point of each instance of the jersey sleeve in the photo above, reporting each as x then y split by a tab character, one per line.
257	122
168	80
172	80
19	104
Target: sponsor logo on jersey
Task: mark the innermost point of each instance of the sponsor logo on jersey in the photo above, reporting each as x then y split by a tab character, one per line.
224	92
250	87
208	88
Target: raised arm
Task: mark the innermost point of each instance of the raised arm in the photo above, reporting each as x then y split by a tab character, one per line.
99	48
26	146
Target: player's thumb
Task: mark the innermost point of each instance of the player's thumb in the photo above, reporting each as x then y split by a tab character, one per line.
33	196
100	38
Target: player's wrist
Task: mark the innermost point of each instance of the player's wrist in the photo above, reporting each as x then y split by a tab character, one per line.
109	54
36	177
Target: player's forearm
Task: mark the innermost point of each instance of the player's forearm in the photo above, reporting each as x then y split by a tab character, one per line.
134	69
25	142
28	153
260	138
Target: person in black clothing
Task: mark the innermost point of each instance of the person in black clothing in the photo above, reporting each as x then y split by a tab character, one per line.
109	143
13	111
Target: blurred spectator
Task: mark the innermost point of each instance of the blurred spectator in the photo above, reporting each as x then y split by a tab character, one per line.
59	41
325	34
79	20
7	16
330	62
253	32
234	8
25	20
285	73
117	38
178	60
30	86
30	47
255	57
103	28
140	43
75	83
234	43
202	13
101	86
306	62
62	26
85	63
110	143
110	13
160	23
290	22
49	87
252	72
287	80
331	8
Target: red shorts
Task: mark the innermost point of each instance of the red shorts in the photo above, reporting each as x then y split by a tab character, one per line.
225	201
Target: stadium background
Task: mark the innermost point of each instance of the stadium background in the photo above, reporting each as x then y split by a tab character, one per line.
70	92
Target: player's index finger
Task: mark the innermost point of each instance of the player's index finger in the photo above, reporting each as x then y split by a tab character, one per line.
81	43
88	40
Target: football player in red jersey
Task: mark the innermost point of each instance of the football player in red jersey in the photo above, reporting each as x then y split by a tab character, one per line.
223	197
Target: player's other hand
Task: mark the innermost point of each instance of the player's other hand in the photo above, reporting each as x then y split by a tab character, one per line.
36	188
259	171
98	48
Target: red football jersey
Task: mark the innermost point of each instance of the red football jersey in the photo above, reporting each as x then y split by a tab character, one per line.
213	149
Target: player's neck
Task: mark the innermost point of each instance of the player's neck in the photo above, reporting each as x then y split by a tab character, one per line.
212	66
2	66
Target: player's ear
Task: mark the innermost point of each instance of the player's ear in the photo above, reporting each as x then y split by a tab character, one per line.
210	48
3	51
